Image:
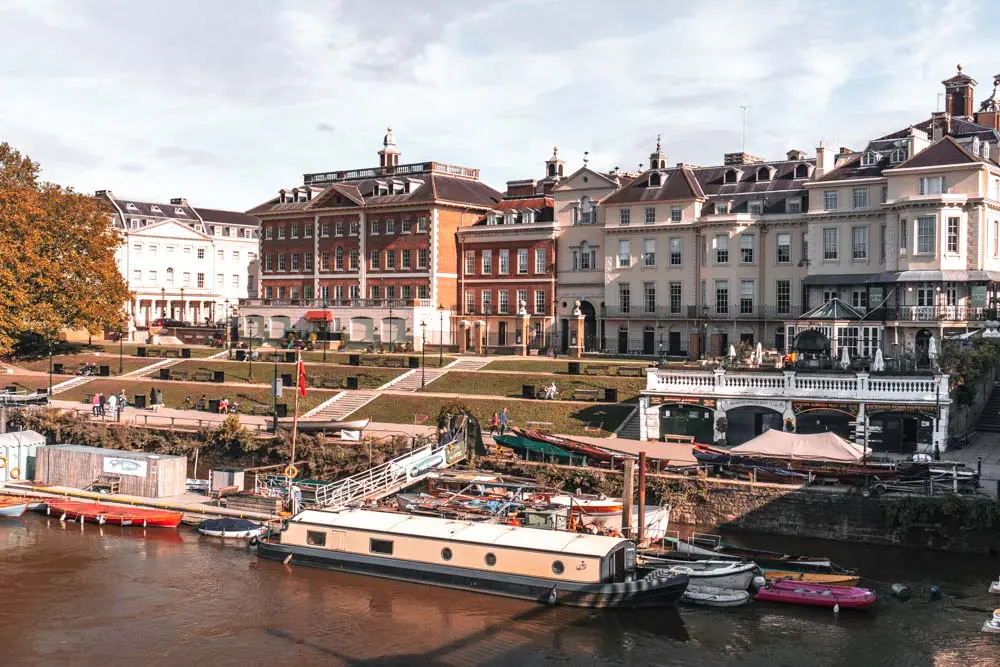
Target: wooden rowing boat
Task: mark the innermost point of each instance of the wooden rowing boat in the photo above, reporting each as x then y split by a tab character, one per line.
11	508
117	515
830	579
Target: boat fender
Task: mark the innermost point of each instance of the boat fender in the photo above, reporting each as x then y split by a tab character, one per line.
836	608
757	583
935	593
15	473
553	596
253	541
3	462
288	559
901	592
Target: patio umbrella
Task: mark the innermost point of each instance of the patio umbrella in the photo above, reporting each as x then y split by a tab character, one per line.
760	354
732	352
845	358
879	364
932	350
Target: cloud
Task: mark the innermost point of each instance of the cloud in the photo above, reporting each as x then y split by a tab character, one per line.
189	157
325	127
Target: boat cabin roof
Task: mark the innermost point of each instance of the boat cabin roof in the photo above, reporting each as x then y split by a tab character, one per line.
577	544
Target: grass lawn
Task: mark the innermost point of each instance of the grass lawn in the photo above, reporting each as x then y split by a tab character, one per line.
325	375
128	363
560	367
157	350
174	393
342	358
501	384
602	418
29	383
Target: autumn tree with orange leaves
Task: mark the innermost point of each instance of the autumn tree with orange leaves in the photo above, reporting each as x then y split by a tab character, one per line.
57	257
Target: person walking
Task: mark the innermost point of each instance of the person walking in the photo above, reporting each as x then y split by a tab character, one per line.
122	400
96	405
494	423
504	419
113	406
104	402
152	398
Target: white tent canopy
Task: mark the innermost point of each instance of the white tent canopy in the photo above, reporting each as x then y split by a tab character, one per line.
801	446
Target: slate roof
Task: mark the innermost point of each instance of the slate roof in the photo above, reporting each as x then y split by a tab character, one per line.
713	179
834	309
227	217
944	151
675	183
144	209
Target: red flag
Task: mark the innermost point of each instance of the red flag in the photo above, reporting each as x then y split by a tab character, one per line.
302	377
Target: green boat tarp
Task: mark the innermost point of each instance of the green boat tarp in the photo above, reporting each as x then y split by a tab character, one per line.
543	449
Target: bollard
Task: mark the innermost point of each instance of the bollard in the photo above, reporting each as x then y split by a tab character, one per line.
935	593
901	592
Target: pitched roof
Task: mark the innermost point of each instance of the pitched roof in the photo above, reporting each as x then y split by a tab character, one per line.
537	203
712	180
675	184
227	217
945	151
834	309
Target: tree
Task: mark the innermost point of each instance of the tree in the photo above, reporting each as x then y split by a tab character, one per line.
232	438
57	257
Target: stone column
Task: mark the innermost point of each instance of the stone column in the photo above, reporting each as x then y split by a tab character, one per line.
477	341
463	327
576	333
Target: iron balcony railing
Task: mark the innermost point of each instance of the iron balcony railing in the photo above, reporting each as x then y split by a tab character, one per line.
731	312
339	303
934	313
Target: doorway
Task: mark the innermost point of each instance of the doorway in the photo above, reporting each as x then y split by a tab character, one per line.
723	348
502	334
746	423
674	343
565	336
623	340
648	341
590	342
923	340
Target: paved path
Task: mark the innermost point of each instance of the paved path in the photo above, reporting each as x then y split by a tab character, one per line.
987	446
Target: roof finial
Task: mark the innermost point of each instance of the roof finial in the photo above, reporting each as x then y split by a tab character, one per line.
555	153
388	139
586	158
657	143
959	68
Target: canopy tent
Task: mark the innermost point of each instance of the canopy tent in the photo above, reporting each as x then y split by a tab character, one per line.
801	446
533	446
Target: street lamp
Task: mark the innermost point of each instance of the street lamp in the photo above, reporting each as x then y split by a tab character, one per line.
392	347
229	347
50	366
423	355
486	333
441	336
183	316
250	324
163	300
121	348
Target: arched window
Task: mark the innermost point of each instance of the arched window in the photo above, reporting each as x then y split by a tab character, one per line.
763	174
870	159
801	171
170	276
587	212
552	170
732	176
655	180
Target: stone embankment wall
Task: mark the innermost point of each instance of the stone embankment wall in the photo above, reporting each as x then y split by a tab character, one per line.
950	523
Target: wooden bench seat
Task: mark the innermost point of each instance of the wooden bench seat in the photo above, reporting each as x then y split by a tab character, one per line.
636	371
591	369
586	394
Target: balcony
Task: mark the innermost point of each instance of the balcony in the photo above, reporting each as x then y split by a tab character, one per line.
933	314
798	385
334	303
733	312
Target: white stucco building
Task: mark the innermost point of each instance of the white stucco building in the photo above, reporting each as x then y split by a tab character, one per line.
180	261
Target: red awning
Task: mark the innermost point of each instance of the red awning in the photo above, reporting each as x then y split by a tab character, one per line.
319	316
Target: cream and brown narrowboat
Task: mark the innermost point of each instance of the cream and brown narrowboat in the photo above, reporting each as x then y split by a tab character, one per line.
548	566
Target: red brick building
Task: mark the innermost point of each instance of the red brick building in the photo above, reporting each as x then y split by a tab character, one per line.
367	253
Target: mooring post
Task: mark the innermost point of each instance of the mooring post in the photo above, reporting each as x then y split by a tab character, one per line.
628	487
641	528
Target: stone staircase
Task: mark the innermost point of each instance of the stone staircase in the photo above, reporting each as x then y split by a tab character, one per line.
468	364
629	430
70	383
412	381
341	405
989	421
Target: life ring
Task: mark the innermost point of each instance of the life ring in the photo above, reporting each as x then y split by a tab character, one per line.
15	472
291	471
3	462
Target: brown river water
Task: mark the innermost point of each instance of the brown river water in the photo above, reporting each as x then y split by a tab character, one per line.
114	596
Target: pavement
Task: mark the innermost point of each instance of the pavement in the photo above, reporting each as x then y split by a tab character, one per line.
987	447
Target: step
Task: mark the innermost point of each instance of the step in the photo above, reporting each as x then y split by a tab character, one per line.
342	405
468	364
417	379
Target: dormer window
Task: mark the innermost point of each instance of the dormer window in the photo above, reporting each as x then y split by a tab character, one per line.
897	155
984	150
131	207
493	219
655	180
756	207
179	211
528	216
508	218
763	175
870	159
732	176
155	209
801	171
722	207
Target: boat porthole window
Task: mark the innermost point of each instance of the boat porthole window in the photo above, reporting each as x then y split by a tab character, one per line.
491	560
558	567
446	553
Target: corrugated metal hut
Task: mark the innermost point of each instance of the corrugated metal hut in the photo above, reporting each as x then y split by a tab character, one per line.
17	454
132	473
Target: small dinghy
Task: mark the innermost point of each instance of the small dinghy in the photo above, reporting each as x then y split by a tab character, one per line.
711	596
118	515
230	527
817	595
811	577
715	573
11	508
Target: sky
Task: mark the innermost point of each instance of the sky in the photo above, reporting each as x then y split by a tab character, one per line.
226	101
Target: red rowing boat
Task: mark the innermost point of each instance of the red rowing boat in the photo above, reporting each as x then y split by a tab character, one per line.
118	515
817	595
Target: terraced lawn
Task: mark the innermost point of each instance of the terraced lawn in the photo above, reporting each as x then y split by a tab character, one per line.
367	360
562	367
501	384
249	398
598	420
75	360
29	383
317	375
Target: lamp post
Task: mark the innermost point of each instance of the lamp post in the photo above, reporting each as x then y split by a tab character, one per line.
704	331
250	353
183	316
423	355
486	333
441	336
163	300
121	349
50	366
274	390
229	346
659	327
392	348
325	329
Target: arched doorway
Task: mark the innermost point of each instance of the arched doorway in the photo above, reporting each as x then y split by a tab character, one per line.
362	329
749	421
590	342
922	347
684	419
825	421
812	343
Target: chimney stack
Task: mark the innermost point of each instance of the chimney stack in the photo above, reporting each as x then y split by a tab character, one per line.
178	201
824	159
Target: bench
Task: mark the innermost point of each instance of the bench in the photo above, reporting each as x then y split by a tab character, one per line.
636	371
586	394
593	369
679	439
179	376
202	375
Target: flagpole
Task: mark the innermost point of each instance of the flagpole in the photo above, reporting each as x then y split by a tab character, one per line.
295	425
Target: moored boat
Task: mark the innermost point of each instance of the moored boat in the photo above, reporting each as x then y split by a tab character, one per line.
711	596
547	566
586	505
829	579
700	547
817	595
118	515
733	575
230	527
11	508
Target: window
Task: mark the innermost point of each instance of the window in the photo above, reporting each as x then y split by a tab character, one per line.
756	207
504	260
503	302
423	258
201	253
732	176
675	213
925	235
315	538
390	259
373	228
421	225
186	279
373	260
324	260
625	298
355	228
354	292
373	292
200	280
338	292
931	185
171	248
486	299
805	246
137	247
380	546
281	232
897	155
404	292
236	279
137	275
793	205
522	260
470	301
390	292
294	234
902	234
746	297
338	228
830	200
722	249
831	244
675	298
268	232
522	297
783	292
951	295
236	255
925	295
558	567
470	262
338	259
649	252
746	248
487	263
220	254
649	297
268	292
404	225
269	262
650	215
491	560
187	251
722	297
307	230
676	252
722	207
539	302
784	254
540	264
446	554
282	262
859	198
170	277
884	196
829	295
404	260
307	292
295	261
624	254
584	258
953	235
859	243
870	158
624	217
882	244
390	226
152	276
859	298
996	238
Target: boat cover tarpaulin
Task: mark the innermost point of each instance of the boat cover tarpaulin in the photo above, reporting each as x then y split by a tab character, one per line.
543	448
801	446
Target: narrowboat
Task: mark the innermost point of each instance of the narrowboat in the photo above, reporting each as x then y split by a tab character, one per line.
546	566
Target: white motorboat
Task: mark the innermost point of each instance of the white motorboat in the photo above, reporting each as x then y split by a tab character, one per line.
230	527
718	574
715	597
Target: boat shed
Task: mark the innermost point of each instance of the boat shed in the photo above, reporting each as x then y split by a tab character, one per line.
112	470
18	450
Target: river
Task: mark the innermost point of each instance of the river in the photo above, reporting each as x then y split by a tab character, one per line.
114	596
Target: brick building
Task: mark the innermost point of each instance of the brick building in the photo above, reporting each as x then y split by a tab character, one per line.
366	254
